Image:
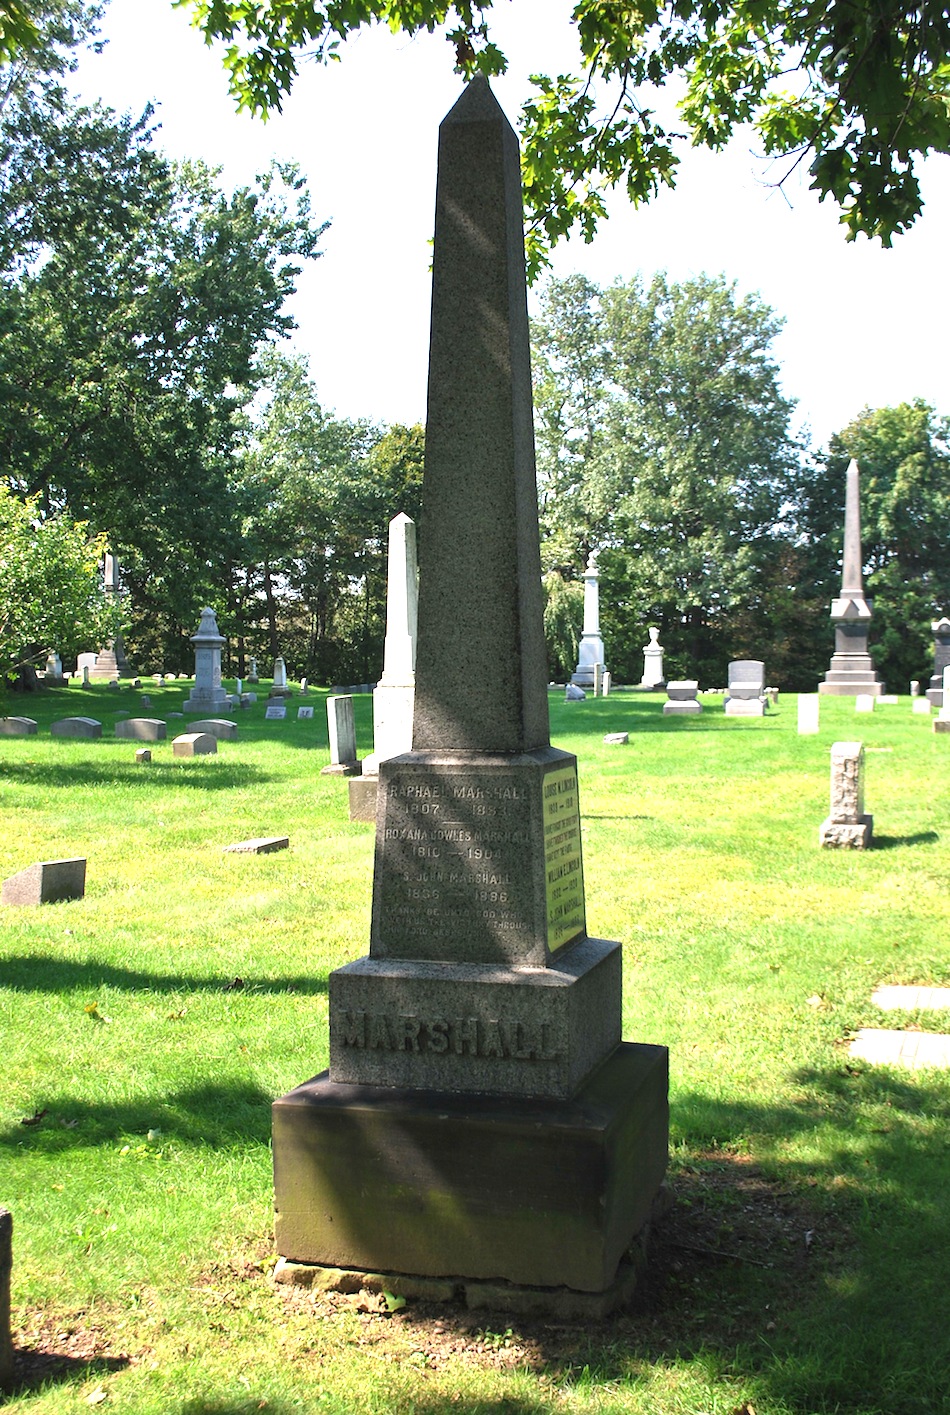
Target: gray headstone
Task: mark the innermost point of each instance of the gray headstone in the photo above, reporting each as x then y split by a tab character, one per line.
46	883
195	744
341	727
574	693
76	727
142	729
260	845
275	712
17	727
682	698
304	712
220	727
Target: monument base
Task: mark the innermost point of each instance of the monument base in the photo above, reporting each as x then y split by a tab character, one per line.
848	835
745	707
565	1303
536	1192
689	708
850	674
342	769
363	791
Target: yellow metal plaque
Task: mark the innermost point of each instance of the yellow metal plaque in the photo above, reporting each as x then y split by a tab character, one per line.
562	857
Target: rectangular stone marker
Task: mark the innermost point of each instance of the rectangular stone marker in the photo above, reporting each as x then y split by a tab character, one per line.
76	727
275	712
481	1116
260	845
220	727
304	712
6	1275
808	714
46	883
921	707
864	702
847	825
143	756
341	727
142	729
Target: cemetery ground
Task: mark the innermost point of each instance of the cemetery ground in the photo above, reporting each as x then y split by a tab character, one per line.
147	1027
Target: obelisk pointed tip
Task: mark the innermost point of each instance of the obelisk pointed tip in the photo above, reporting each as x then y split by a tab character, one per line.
477	104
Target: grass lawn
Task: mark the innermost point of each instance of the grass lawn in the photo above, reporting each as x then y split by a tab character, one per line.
145	1029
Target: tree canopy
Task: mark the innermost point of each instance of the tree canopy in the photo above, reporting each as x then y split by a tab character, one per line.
858	91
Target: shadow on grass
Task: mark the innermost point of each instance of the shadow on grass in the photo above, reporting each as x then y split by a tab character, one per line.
37	1366
216	1115
29	973
203	775
811	1281
893	842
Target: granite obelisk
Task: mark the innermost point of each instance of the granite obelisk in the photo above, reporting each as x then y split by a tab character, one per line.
481	1119
851	670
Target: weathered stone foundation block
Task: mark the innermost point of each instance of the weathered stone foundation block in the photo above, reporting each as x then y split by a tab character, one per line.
363	792
540	1192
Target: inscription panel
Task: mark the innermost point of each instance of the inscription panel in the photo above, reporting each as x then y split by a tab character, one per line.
477	862
563	868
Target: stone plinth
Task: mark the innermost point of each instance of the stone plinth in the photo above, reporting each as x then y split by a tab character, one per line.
542	1192
745	695
194	744
477	1027
847	825
76	727
207	693
142	729
46	883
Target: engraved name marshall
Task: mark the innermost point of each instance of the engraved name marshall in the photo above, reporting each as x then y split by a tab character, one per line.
461	1036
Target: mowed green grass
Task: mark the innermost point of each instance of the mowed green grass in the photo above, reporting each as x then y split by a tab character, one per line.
142	1198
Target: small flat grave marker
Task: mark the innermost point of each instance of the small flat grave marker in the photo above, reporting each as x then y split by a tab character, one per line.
921	707
143	756
261	845
908	998
915	1050
864	702
274	712
304	712
617	739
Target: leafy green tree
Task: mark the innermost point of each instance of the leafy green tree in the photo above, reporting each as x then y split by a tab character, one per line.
317	494
904	456
51	595
664	440
858	91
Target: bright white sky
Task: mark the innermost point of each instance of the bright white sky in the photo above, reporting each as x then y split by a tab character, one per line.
864	326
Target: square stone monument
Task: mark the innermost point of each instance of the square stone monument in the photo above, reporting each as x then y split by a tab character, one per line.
847	826
745	695
481	1120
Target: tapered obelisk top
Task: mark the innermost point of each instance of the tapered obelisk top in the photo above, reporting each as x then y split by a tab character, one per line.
851	579
481	670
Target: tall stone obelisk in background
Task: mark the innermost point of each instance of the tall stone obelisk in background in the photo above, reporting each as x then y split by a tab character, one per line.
851	670
481	1119
590	650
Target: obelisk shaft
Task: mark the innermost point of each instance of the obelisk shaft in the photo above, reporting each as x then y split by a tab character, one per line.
481	675
852	582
